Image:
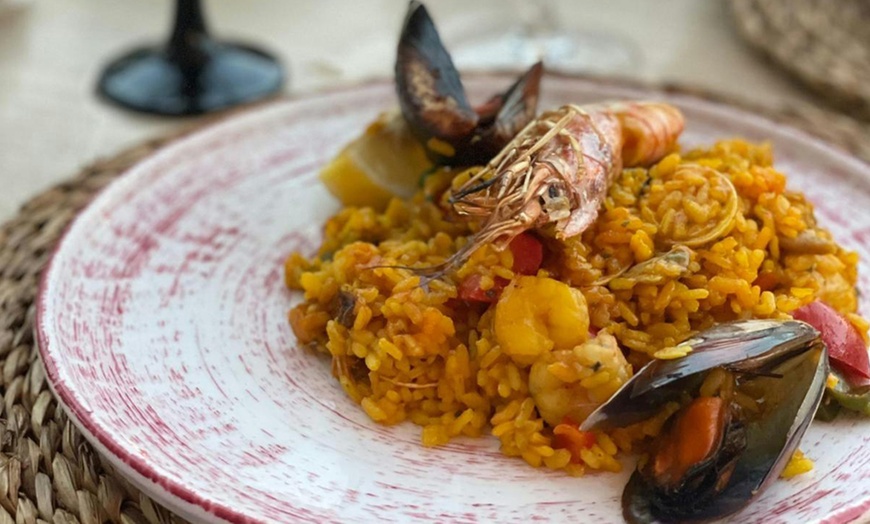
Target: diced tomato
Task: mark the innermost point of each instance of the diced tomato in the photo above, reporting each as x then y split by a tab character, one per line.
528	254
568	419
454	303
846	349
568	436
470	290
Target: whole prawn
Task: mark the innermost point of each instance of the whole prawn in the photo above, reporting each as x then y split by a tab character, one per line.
559	168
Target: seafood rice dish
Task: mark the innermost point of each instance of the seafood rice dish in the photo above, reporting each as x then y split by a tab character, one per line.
576	285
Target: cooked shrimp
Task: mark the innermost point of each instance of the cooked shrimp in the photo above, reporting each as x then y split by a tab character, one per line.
574	382
559	167
535	315
649	131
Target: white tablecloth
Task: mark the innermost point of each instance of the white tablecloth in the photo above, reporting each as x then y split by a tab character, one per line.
51	52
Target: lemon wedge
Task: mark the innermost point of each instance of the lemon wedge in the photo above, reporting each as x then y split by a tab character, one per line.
386	161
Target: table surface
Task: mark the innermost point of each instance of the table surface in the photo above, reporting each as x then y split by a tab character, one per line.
51	52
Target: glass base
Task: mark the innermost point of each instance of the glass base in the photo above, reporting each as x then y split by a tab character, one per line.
563	51
149	80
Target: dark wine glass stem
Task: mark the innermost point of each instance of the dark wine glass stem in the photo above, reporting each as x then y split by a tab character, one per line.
190	72
188	33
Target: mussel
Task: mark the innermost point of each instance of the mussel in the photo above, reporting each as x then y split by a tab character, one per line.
726	444
434	103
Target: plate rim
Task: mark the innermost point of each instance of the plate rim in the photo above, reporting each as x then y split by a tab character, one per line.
174	494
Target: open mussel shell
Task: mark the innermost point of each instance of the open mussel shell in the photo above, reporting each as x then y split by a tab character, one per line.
434	103
749	345
430	91
501	119
782	364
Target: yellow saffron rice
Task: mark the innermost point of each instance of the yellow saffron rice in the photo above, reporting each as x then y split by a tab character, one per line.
740	243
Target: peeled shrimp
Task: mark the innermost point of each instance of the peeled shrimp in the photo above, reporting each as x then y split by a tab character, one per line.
574	382
535	315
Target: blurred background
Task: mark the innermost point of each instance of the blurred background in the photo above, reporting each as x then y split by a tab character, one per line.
52	52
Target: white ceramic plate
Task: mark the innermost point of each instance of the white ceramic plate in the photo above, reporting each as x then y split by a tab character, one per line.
162	325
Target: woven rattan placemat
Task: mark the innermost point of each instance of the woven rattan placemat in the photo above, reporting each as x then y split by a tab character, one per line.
823	43
47	471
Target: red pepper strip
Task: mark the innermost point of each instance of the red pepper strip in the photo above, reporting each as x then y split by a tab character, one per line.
528	254
855	380
846	349
568	436
469	289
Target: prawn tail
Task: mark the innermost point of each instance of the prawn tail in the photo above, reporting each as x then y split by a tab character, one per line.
650	131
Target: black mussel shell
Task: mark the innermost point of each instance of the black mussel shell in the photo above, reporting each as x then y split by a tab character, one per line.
512	111
434	103
646	501
430	92
756	447
749	345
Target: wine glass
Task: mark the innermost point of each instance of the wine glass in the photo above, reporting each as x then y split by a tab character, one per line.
539	36
190	74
